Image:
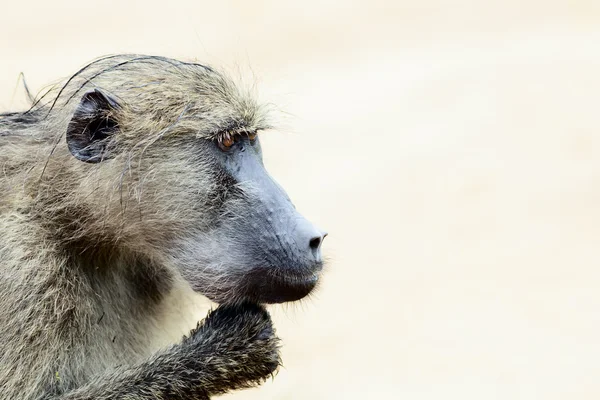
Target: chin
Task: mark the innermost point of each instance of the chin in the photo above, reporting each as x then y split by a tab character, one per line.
270	286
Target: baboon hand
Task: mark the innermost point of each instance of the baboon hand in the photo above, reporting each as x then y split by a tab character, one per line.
234	347
237	345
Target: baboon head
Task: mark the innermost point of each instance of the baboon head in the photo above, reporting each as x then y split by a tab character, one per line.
168	164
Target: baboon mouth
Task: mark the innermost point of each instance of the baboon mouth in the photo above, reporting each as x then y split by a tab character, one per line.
267	286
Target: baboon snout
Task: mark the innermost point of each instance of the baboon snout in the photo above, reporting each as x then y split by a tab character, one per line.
309	238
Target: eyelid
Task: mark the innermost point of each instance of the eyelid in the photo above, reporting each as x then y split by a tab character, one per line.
227	139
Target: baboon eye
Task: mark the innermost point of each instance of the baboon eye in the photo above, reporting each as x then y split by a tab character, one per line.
226	141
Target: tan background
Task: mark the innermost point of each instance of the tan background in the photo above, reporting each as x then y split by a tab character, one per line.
452	151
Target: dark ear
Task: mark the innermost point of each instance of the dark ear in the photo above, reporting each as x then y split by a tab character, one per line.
92	126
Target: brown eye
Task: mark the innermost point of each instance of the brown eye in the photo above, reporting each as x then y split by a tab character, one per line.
252	136
226	141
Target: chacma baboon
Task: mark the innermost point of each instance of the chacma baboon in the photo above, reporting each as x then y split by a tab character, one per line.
136	178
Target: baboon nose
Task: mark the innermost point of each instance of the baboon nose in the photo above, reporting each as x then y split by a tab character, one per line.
315	242
309	238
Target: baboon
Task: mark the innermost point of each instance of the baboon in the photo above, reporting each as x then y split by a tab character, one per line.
136	178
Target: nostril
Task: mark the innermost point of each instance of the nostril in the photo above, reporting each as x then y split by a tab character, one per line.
315	242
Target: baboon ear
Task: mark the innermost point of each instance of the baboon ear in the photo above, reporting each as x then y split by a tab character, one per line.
92	126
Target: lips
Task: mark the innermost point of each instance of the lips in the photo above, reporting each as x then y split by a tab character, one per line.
274	286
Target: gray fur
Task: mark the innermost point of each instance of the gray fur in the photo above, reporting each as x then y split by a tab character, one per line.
89	251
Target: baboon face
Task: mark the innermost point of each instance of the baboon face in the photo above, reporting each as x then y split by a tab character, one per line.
258	245
234	233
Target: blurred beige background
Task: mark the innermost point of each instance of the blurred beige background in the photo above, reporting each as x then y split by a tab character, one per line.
451	149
